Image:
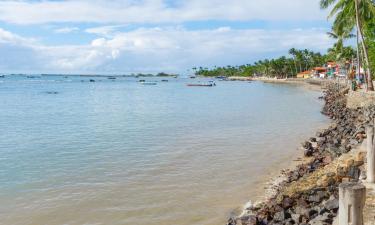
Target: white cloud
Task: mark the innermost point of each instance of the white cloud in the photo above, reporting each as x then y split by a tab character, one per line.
106	31
66	30
157	11
161	49
11	38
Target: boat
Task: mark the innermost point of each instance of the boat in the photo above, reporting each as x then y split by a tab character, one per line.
111	78
2	76
202	85
164	80
92	80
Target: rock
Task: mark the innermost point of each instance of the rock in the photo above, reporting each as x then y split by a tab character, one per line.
302	211
308	152
314	198
296	217
363	175
249	220
281	216
231	221
326	218
312	213
287	203
354	172
332	204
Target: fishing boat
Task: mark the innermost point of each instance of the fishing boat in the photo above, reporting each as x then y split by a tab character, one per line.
202	85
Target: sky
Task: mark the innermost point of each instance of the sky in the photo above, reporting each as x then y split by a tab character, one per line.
149	36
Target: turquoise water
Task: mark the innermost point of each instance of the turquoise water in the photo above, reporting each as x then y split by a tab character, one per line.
118	152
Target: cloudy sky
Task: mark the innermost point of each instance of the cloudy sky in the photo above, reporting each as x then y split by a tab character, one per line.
124	36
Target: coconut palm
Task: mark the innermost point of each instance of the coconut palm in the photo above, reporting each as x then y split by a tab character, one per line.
349	14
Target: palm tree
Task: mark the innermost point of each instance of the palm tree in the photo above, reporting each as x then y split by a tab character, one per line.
338	47
293	52
349	14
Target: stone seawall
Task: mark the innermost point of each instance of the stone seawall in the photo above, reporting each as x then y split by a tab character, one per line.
309	193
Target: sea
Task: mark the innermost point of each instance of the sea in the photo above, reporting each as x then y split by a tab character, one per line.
116	151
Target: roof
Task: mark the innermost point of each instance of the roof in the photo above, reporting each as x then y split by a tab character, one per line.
320	68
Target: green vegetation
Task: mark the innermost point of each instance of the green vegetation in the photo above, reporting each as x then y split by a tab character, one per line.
298	61
348	16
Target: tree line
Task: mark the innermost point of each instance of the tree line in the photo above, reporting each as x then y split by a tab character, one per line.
350	19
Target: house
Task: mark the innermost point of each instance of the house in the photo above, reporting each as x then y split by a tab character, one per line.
305	74
320	72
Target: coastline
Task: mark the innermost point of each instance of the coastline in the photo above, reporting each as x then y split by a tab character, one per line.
306	191
276	175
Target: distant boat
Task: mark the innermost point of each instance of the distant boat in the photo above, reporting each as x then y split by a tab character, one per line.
164	80
202	85
92	80
111	78
193	77
2	76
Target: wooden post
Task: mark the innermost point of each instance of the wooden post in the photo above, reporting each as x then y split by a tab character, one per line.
352	198
370	154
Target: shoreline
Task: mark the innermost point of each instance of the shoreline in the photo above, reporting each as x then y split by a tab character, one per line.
275	176
307	190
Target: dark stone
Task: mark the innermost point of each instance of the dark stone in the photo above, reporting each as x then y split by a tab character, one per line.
231	221
312	213
354	172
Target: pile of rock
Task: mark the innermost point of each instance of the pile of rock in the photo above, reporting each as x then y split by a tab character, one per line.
318	204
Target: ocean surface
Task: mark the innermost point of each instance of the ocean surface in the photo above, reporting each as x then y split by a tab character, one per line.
117	152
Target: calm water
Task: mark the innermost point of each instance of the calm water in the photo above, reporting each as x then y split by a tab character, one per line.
124	153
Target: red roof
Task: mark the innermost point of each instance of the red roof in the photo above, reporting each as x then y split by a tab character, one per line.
320	69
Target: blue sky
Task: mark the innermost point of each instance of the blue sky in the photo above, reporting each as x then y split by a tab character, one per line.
126	36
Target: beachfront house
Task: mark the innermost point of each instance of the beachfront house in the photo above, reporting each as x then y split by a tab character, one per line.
305	74
319	72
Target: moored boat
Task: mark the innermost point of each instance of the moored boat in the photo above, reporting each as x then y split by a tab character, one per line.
202	85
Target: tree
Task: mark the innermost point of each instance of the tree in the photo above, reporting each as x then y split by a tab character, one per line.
349	14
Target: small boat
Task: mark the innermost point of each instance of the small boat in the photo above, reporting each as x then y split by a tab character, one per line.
142	81
148	83
193	77
2	76
92	80
201	85
111	78
164	80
